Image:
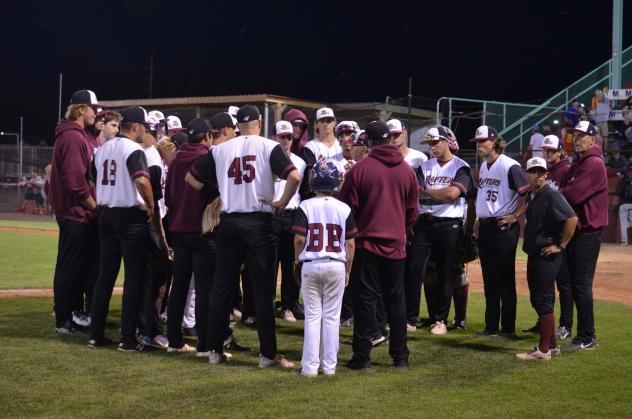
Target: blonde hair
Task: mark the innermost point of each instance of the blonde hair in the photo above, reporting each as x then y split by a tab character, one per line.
73	112
164	146
499	146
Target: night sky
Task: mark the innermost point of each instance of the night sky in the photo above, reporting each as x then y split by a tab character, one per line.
331	52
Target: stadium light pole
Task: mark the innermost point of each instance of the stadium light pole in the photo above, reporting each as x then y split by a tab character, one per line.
17	149
617	39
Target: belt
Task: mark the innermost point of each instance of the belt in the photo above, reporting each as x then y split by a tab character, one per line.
431	218
326	259
488	220
287	213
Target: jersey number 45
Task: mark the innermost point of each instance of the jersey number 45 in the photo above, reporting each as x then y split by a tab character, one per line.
242	169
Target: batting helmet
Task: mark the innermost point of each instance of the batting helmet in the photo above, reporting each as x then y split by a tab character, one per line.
325	177
345	126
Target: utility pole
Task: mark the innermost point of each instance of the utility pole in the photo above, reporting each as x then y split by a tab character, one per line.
410	102
151	76
617	48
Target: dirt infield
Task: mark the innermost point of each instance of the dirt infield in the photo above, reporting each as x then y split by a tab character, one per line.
32	230
613	280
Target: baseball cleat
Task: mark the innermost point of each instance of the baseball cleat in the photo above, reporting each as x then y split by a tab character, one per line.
534	355
278	361
439	328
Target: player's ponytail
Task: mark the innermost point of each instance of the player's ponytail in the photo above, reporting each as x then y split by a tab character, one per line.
499	146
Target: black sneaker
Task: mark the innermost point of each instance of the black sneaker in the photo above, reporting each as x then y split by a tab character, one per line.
354	364
401	364
532	329
578	344
563	333
129	346
69	328
459	324
508	335
232	344
378	340
488	333
95	343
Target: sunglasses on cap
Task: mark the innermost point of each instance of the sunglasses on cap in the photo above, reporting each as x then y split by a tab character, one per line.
432	139
299	124
286	137
328	120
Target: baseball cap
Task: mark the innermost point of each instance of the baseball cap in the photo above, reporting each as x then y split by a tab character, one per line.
345	126
359	139
283	128
395	126
198	126
535	127
153	119
536	162
157	115
485	132
551	142
85	97
324	113
585	127
377	131
248	113
134	114
222	120
180	138
437	133
174	123
232	110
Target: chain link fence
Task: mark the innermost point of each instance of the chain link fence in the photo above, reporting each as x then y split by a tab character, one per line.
22	179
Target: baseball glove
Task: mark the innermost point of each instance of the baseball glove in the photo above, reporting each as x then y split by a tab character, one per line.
467	248
297	272
210	217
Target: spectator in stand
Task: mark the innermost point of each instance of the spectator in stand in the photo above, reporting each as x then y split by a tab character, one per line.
627	120
600	113
573	113
623	200
617	161
535	143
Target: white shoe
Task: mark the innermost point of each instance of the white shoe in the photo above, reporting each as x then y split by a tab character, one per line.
204	354
278	361
439	328
556	351
185	348
215	358
534	355
288	316
411	327
81	319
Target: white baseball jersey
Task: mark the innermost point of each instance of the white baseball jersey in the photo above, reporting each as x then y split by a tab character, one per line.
437	175
279	184
154	159
117	163
243	171
323	153
326	224
415	158
499	186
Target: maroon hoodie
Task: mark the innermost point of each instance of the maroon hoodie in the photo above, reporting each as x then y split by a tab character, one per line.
185	204
297	145
70	173
382	193
558	171
585	187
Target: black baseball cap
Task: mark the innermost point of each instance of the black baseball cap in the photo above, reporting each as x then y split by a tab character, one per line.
377	131
136	114
180	138
222	120
198	126
248	113
85	97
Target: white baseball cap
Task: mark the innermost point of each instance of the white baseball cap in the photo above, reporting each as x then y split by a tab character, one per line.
551	142
174	123
156	115
536	162
395	126
324	113
586	127
283	128
346	126
232	110
485	132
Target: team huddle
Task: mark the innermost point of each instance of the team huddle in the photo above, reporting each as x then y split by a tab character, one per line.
354	219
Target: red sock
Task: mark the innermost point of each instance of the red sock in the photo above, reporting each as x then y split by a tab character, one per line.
547	326
552	342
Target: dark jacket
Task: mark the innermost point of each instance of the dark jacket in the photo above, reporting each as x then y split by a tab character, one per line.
297	145
70	173
383	195
585	187
558	171
184	204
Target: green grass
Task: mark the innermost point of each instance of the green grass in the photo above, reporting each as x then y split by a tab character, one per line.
31	260
459	375
47	225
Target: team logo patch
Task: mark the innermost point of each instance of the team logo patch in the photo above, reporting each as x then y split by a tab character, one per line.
246	118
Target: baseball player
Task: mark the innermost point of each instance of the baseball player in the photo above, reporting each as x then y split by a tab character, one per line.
498	207
444	180
550	224
324	245
325	147
399	137
72	200
558	165
173	125
345	132
125	195
290	306
242	171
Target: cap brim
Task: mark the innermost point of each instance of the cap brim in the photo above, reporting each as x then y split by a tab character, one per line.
538	167
481	139
551	148
176	129
285	133
396	131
